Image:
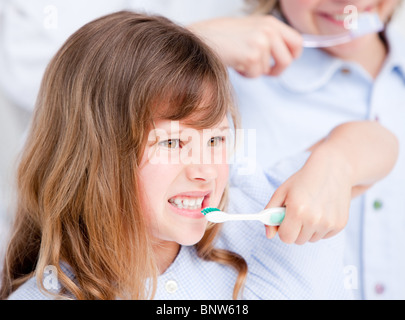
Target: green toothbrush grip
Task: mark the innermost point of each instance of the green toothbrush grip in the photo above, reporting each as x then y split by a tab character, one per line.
277	217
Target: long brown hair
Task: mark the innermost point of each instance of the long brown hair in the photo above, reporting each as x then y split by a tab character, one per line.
262	6
77	180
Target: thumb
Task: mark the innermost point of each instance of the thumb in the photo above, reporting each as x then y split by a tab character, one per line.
277	200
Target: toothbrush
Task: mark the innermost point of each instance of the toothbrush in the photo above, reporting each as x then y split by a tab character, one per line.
270	217
366	23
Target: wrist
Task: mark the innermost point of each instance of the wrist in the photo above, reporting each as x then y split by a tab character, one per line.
339	162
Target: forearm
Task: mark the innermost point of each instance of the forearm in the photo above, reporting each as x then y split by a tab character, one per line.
365	151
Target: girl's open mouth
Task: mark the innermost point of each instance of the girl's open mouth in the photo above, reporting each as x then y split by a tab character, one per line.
190	204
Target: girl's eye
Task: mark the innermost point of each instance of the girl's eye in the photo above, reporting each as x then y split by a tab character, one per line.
214	141
170	144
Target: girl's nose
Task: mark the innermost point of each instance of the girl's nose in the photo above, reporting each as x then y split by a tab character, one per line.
202	172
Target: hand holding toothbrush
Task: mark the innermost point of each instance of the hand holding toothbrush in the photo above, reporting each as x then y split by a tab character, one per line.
248	44
317	200
317	197
259	45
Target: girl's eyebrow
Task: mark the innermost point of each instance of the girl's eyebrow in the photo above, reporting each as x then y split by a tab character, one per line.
224	128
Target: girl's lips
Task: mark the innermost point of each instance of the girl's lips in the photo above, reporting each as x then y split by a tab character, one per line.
193	194
191	213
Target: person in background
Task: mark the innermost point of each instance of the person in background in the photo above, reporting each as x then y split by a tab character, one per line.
360	80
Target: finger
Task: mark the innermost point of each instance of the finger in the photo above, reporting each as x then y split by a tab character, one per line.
253	69
292	39
278	200
386	9
331	234
256	62
318	236
271	231
279	196
305	235
281	55
241	69
266	63
289	229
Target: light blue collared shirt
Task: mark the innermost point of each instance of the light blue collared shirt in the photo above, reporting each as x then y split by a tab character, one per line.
315	94
276	270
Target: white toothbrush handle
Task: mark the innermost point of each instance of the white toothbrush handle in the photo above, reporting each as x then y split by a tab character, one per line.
271	216
315	41
244	217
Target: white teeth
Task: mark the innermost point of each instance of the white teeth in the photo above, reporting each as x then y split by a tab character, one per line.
343	16
187	203
340	17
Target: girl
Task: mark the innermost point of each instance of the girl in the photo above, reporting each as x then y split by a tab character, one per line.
360	80
117	168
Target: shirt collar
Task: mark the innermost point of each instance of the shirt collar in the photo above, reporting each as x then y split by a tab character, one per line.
310	72
315	67
396	56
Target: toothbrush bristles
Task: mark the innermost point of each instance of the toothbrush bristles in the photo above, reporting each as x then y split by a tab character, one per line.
208	210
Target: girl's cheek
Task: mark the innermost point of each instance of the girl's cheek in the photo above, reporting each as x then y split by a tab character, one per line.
223	175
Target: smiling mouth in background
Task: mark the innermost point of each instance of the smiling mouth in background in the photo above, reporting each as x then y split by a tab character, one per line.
339	18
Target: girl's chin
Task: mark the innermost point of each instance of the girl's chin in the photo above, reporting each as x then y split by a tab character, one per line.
190	240
191	236
188	232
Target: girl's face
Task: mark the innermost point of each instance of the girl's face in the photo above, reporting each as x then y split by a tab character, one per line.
326	17
182	171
